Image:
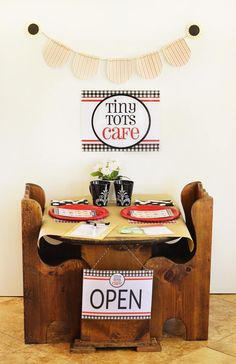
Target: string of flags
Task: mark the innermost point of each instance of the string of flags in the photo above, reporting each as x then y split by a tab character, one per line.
119	70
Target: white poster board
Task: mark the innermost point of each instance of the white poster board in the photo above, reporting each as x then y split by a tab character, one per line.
117	295
120	120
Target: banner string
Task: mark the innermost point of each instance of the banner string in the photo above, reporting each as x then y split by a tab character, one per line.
118	70
106	58
127	249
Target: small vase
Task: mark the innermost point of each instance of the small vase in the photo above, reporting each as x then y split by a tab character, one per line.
112	193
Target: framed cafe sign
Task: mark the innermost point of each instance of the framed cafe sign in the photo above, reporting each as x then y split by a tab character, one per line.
117	295
120	120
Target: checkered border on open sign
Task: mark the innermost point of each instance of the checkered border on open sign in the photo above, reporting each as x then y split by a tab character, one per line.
91	317
125	273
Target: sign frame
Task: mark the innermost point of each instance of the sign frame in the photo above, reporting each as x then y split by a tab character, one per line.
144	136
117	295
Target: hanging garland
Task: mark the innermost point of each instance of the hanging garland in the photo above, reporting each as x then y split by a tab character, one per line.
118	70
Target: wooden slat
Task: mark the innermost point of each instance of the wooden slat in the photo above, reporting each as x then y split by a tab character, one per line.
52	295
81	346
182	290
36	193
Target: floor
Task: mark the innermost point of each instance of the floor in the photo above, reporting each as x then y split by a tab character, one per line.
220	348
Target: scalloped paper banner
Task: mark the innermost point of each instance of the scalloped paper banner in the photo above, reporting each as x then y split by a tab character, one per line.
55	54
177	53
84	67
149	66
119	71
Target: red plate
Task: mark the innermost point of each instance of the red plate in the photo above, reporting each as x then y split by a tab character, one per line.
153	213
75	212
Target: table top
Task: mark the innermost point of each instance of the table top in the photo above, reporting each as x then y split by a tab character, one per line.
59	229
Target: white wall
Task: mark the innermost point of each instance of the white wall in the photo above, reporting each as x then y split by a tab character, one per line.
40	110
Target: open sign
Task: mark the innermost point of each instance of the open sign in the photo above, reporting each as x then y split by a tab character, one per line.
117	295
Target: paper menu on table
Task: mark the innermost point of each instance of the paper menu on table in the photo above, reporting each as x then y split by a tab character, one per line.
74	213
157	230
147	214
146	230
90	231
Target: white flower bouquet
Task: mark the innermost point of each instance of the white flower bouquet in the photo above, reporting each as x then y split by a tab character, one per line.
108	170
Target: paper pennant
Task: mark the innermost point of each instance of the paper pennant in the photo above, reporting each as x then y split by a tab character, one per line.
119	70
55	54
177	53
149	66
84	67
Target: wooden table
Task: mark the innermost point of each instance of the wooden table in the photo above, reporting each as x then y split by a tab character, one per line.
53	278
116	251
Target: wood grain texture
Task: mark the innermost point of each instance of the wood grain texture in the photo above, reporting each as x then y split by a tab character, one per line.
116	258
181	291
52	295
48	291
115	330
80	346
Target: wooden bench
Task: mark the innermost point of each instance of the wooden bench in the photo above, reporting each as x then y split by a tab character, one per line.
182	279
52	293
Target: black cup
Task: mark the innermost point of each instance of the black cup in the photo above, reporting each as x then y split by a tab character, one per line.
123	190
99	190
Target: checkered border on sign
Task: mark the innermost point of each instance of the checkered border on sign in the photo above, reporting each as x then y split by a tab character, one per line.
106	93
109	273
91	317
151	222
135	148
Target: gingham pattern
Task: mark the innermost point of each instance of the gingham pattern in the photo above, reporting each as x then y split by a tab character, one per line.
125	273
136	148
66	221
91	317
72	221
151	222
106	93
